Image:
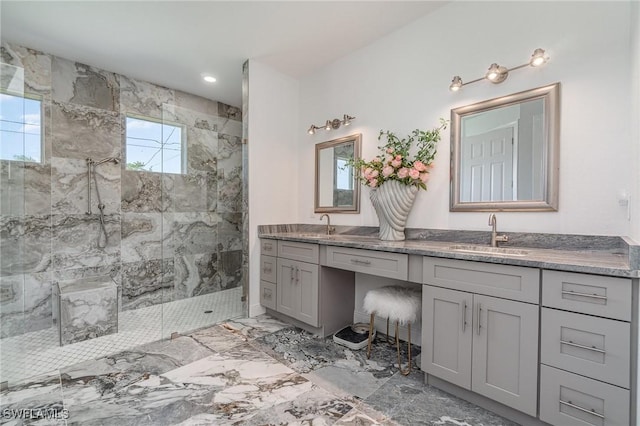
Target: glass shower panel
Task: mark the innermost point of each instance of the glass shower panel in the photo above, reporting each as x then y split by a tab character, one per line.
201	167
25	222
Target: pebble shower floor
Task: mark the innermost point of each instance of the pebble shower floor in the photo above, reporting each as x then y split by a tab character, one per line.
39	352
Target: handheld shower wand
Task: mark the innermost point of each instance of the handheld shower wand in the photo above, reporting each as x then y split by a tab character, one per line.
92	177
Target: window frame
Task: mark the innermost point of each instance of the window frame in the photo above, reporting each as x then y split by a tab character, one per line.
160	122
40	99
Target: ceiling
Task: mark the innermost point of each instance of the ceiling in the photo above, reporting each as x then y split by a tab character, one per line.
171	43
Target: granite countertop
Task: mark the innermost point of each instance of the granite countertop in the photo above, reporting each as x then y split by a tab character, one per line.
613	256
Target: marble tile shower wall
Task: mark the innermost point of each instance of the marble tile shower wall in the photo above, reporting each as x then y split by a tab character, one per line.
171	236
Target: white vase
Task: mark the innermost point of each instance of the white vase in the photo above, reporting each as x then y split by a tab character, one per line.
392	202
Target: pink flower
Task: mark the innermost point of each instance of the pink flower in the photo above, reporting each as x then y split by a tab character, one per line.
388	158
419	166
398	157
389	150
367	172
374	174
414	174
387	171
373	183
396	163
424	177
376	160
403	173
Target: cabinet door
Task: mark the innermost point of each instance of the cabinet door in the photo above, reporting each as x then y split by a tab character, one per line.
306	281
447	334
286	290
505	352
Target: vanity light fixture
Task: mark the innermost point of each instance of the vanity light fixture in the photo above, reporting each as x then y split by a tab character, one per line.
497	73
332	124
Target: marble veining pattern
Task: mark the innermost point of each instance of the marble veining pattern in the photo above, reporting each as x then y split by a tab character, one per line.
615	258
141	98
25	304
25	244
230	231
88	308
196	275
145	192
145	237
26	188
69	186
84	85
147	283
39	352
219	375
79	131
202	152
36	66
76	238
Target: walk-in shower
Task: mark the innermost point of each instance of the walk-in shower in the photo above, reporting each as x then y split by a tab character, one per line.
169	256
91	176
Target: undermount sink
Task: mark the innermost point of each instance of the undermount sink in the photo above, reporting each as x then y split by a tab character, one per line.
307	235
503	251
323	236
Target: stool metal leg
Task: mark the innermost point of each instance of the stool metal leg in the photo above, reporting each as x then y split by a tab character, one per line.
388	341
404	373
373	315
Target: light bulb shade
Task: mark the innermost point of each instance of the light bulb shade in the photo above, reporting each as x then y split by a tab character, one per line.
493	71
538	58
346	120
456	84
312	130
327	125
496	73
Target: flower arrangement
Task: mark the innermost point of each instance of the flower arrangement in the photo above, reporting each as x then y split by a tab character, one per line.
395	163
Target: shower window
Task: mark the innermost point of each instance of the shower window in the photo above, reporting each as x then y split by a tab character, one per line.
20	128
155	146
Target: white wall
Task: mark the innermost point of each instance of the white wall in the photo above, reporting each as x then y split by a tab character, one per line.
273	160
401	82
634	53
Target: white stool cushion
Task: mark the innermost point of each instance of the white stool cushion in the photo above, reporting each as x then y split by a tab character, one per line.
396	303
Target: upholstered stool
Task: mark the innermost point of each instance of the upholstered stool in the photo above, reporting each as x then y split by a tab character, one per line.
400	304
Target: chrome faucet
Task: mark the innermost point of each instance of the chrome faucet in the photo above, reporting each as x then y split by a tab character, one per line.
330	228
495	238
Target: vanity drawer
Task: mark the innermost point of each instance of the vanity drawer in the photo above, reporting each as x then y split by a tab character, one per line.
304	252
269	247
383	264
506	281
568	399
588	294
594	347
268	294
268	268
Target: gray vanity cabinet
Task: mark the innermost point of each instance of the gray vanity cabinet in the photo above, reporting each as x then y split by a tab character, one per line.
297	294
294	284
587	343
474	336
482	343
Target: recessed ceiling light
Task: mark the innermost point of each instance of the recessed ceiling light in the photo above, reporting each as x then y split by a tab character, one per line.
208	78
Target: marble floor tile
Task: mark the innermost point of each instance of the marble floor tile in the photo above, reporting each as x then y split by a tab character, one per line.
36	402
218	338
409	401
253	328
246	372
305	352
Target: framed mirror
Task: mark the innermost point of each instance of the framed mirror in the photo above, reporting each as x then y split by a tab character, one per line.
504	153
337	189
